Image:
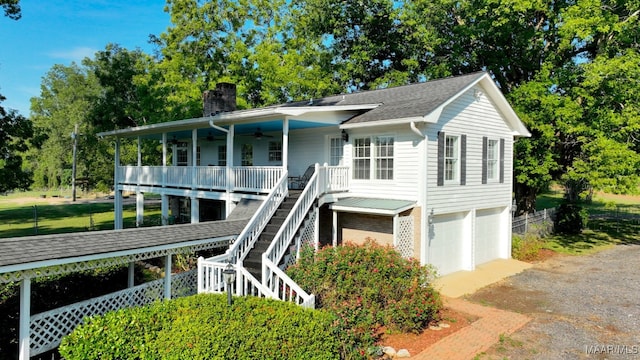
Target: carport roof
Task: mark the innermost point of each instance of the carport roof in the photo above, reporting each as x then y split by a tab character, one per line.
372	206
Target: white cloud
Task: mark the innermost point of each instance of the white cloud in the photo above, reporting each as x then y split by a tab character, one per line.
76	54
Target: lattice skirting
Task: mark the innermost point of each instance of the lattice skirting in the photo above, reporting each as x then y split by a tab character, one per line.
48	328
404	244
306	236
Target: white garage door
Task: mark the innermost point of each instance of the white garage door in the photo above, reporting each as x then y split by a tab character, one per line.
490	235
447	250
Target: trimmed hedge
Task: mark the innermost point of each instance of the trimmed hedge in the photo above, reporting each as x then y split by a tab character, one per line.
368	287
204	327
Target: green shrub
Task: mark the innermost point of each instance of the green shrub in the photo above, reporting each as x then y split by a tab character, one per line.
204	327
526	247
368	287
570	219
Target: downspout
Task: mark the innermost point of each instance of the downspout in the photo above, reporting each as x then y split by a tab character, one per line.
228	172
424	223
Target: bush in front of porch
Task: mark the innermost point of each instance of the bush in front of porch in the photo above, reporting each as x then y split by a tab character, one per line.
205	327
368	287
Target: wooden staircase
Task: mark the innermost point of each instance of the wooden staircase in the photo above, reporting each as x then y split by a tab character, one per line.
253	260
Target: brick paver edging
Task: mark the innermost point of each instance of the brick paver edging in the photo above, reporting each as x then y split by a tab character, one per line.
480	335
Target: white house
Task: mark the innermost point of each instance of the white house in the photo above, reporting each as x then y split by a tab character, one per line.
425	167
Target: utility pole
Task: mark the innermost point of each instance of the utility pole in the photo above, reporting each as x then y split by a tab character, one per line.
74	136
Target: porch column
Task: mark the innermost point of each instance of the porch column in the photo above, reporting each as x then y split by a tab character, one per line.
139	152
396	227
334	229
230	180
195	210
164	209
25	319
164	159
139	208
167	277
316	230
117	193
131	274
285	144
194	159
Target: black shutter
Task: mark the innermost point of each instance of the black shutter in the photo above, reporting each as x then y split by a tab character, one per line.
501	161
484	159
440	158
463	160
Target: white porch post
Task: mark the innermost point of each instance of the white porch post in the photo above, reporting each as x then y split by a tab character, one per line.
194	158
117	193
139	151
230	181
396	227
139	208
164	159
130	274
285	144
334	230
316	230
195	210
167	277
164	209
25	319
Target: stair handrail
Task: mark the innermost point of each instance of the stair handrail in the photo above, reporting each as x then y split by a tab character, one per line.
249	235
283	288
294	219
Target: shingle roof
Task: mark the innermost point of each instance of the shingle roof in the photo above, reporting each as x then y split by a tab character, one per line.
398	102
31	249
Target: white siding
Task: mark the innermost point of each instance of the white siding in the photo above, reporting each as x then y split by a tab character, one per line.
309	146
406	167
474	118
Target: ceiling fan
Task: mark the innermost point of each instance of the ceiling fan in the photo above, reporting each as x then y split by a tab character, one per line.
259	134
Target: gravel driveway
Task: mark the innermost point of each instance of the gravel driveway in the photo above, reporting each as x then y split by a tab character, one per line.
583	307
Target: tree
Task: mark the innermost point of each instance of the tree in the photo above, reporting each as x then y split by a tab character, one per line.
11	9
15	131
65	99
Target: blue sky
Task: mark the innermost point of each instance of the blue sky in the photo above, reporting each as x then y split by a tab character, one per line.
61	31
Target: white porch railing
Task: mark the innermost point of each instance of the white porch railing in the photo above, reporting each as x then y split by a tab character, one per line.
210	270
333	178
283	287
243	178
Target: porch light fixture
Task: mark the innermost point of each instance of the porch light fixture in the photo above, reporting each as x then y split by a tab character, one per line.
229	277
345	136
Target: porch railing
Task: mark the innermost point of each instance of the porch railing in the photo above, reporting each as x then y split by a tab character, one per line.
242	178
333	178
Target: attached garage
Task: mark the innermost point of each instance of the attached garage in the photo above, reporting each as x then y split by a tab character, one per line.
490	235
449	242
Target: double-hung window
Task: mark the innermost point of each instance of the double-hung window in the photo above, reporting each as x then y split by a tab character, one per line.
335	151
222	155
373	158
452	159
492	160
182	154
275	151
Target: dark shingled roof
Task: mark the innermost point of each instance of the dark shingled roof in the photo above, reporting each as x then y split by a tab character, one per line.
399	102
31	249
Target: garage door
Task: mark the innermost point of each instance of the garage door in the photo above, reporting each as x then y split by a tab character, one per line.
447	250
490	235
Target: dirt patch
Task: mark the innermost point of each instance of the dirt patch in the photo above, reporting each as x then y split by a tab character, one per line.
507	297
416	343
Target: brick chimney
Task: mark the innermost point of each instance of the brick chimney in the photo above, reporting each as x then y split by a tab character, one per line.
222	99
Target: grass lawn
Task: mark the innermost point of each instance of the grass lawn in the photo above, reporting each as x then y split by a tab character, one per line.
615	219
56	214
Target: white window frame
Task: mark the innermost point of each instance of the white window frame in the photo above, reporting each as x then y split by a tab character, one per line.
222	155
369	153
452	159
275	151
182	154
246	157
493	160
336	151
